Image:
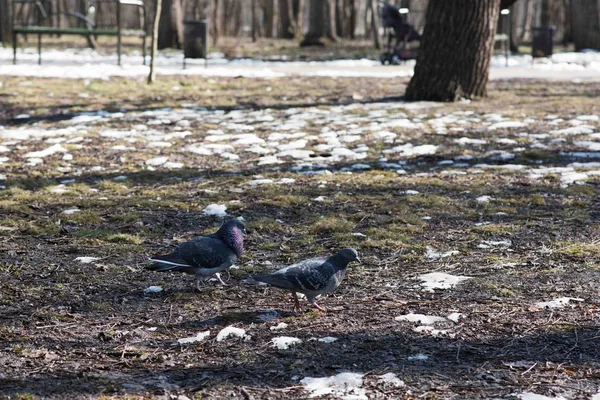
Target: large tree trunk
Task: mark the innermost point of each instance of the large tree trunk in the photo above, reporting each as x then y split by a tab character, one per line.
5	23
456	49
170	32
585	24
317	23
286	19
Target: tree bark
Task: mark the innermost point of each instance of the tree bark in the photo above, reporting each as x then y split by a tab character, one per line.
215	22
545	18
374	23
332	26
253	5
456	50
154	48
286	19
170	33
585	24
5	22
269	18
317	21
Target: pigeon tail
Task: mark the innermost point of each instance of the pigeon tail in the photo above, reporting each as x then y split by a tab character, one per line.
169	263
274	280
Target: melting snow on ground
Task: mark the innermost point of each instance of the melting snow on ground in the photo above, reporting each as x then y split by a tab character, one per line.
421	318
327	339
432	254
418	357
440	280
153	289
218	210
279	326
86	260
390	380
556	303
194	339
346	386
232	331
533	396
284	342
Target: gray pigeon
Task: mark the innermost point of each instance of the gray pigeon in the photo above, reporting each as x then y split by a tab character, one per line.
205	255
311	277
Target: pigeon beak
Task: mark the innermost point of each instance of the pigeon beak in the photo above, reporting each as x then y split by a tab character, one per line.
358	260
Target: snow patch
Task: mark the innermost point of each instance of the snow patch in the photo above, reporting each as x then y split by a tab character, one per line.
432	254
328	339
533	396
200	336
86	260
279	326
346	385
421	318
390	380
57	148
487	244
232	331
218	210
153	289
284	342
556	303
257	182
440	280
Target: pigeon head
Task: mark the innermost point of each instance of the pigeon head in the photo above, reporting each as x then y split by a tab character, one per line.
349	255
344	257
232	232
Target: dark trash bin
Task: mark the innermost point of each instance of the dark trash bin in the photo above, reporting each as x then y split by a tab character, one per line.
195	40
543	41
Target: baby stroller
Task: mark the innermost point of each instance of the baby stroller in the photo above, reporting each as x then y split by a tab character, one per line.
401	31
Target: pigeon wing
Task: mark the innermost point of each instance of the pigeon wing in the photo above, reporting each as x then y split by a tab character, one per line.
307	275
206	252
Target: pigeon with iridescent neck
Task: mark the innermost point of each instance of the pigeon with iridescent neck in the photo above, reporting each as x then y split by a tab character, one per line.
311	277
207	255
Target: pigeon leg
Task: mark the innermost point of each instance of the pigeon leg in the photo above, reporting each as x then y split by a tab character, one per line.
296	302
319	307
218	275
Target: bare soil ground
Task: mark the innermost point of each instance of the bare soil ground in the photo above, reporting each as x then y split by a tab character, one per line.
89	330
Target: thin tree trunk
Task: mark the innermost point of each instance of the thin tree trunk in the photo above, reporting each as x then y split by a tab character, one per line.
154	49
455	63
374	23
253	5
300	17
268	14
215	21
332	29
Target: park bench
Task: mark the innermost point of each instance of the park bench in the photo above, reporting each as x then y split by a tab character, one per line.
87	26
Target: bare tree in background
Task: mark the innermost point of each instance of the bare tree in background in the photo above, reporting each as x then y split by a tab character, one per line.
585	17
154	48
374	22
456	50
317	22
170	33
5	23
